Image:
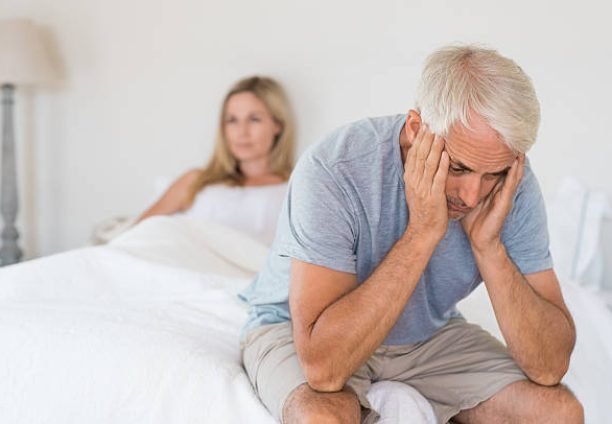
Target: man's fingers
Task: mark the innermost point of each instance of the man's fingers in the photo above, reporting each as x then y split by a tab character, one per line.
496	196
424	144
433	159
439	180
424	158
411	157
513	178
422	153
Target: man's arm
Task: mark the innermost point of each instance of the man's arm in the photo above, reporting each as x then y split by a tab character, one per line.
532	316
530	310
337	325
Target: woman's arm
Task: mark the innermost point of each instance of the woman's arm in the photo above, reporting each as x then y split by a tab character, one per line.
178	197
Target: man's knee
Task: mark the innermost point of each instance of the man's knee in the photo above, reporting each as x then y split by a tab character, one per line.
304	405
528	402
557	404
566	407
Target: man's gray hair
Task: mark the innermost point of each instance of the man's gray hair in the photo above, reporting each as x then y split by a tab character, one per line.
460	80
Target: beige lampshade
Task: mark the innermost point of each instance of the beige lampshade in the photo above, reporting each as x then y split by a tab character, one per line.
23	58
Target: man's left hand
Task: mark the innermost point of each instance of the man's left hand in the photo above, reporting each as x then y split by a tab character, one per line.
484	223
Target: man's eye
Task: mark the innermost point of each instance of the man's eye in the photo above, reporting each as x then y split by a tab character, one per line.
496	176
456	170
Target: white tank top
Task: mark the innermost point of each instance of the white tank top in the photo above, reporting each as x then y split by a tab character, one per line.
251	209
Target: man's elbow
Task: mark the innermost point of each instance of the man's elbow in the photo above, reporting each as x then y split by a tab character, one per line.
545	379
321	377
551	376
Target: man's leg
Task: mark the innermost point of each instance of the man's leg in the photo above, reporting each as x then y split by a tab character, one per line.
462	367
304	405
526	402
272	365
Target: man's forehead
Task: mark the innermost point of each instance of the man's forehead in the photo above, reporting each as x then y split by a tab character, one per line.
478	147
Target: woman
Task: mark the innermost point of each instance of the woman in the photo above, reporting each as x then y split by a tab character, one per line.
245	181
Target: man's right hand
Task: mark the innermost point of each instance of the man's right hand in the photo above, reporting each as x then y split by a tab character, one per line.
425	173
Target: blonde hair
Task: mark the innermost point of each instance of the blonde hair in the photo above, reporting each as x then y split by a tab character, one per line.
223	166
460	80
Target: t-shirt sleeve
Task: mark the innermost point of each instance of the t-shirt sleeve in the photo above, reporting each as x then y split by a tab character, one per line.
320	218
525	233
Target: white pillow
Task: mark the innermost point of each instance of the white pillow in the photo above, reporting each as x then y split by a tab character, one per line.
398	402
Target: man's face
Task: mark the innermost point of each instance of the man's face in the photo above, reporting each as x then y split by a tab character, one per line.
478	161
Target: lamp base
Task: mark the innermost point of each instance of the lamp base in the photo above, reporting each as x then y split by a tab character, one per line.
10	252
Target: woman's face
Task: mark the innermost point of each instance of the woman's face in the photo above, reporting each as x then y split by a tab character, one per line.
249	127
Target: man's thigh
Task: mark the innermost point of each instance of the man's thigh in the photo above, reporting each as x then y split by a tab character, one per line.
271	362
459	367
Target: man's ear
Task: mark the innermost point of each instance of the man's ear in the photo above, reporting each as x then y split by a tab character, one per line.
413	124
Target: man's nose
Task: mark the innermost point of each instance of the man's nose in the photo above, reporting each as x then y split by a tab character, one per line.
470	190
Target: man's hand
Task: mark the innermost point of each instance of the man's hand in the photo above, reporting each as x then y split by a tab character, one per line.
484	223
425	173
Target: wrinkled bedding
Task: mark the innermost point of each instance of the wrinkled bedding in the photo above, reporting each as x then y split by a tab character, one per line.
145	329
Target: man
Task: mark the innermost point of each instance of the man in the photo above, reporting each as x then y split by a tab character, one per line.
388	223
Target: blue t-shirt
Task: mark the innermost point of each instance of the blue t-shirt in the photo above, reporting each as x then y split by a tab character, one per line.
346	208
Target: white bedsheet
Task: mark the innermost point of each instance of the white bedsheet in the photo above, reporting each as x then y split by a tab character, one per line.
122	340
146	330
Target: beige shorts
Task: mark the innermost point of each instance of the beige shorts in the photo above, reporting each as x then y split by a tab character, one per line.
459	367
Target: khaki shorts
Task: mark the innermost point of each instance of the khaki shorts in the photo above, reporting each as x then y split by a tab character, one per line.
460	366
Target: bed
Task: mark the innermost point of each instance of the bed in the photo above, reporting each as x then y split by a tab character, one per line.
145	330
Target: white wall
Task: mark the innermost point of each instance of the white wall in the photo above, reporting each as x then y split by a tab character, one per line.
144	79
